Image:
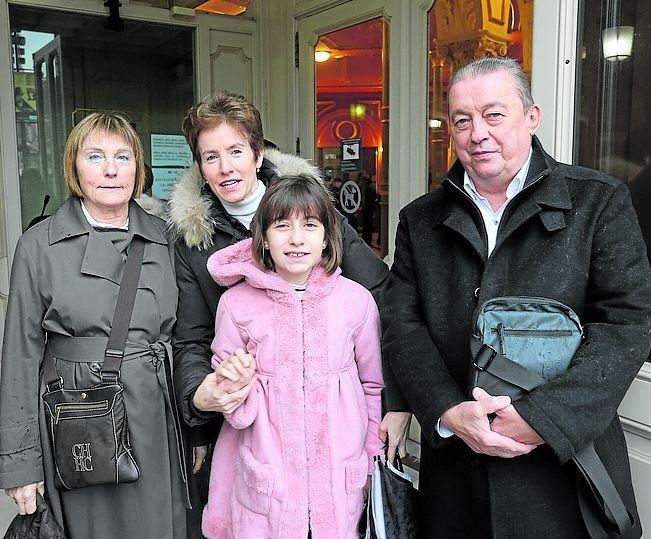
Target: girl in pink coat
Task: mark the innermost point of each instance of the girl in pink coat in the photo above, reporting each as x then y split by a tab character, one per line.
294	458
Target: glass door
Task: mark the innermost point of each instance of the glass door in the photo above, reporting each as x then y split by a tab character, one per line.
351	135
67	65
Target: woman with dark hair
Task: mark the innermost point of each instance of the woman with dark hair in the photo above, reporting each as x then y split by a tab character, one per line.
212	207
66	275
293	459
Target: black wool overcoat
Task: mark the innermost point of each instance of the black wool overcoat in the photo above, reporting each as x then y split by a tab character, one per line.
570	235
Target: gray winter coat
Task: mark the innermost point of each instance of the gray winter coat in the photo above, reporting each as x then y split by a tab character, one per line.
64	285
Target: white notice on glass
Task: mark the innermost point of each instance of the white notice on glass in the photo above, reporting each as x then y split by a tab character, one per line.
170	151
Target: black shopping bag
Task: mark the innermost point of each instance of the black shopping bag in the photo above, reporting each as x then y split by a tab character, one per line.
392	503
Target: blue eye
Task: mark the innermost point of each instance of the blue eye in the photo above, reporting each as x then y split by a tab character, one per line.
209	158
123	157
461	122
95	157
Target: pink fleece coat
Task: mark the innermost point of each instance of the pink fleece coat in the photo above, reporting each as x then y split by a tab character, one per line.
296	455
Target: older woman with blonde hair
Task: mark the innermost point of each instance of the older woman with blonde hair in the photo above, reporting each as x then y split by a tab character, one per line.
66	276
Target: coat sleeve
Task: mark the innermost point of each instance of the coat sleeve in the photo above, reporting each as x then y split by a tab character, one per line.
191	343
369	368
24	343
363	266
407	345
579	405
229	337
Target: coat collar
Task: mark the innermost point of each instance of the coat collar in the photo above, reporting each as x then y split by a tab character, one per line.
69	221
232	264
545	192
195	212
101	258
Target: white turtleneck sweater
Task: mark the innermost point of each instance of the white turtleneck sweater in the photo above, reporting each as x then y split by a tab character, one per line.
244	210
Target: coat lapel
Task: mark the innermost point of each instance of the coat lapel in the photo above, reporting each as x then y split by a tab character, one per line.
101	258
545	193
459	211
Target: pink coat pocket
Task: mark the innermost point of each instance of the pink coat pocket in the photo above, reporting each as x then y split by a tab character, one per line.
254	482
356	474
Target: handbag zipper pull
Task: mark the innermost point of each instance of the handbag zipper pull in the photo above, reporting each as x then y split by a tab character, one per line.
56	419
501	336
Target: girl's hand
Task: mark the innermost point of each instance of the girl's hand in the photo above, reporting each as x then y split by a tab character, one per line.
25	497
238	368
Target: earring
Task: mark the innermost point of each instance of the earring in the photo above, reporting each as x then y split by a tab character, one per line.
324	244
257	171
265	245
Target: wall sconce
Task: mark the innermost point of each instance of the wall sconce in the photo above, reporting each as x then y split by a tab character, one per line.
321	56
435	123
617	42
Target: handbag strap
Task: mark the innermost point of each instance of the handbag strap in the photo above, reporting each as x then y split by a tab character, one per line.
120	325
601	498
123	310
486	358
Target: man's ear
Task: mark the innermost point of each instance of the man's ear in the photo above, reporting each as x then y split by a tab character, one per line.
534	116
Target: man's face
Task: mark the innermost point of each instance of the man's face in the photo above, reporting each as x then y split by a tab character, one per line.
491	131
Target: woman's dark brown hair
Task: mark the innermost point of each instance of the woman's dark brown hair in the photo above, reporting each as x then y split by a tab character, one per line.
224	108
298	195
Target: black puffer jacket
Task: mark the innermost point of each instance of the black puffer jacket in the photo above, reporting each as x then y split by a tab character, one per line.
202	227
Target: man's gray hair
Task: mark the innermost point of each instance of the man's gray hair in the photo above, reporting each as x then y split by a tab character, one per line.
491	64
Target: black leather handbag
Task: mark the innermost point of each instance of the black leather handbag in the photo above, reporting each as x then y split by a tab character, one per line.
88	427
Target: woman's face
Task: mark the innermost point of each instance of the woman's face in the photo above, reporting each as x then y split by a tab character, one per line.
295	245
106	167
228	163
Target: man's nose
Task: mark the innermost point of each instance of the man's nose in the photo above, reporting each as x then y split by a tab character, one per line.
479	131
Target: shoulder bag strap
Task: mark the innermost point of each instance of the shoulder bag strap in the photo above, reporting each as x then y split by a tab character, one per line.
599	499
123	311
486	358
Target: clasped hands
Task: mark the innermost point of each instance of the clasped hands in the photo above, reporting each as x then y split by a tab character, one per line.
507	436
228	386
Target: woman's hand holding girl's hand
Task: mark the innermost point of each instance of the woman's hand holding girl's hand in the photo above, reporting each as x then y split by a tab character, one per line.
25	497
228	386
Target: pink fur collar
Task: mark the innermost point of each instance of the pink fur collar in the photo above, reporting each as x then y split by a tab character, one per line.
235	263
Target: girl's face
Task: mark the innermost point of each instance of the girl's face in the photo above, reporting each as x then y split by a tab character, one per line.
295	245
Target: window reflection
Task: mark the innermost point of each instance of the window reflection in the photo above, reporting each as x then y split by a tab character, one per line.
459	31
613	111
67	65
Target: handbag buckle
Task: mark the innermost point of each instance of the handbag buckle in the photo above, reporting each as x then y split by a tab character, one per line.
55	385
485	357
109	376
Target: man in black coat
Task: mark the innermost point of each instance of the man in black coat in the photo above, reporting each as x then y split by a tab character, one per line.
509	220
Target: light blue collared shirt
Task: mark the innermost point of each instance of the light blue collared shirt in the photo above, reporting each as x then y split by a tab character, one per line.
492	218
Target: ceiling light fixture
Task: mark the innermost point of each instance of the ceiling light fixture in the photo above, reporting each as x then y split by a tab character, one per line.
321	56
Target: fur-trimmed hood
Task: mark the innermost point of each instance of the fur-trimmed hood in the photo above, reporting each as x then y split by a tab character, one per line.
233	264
192	208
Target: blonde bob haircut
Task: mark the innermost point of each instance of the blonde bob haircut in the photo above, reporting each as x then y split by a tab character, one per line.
105	123
298	195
